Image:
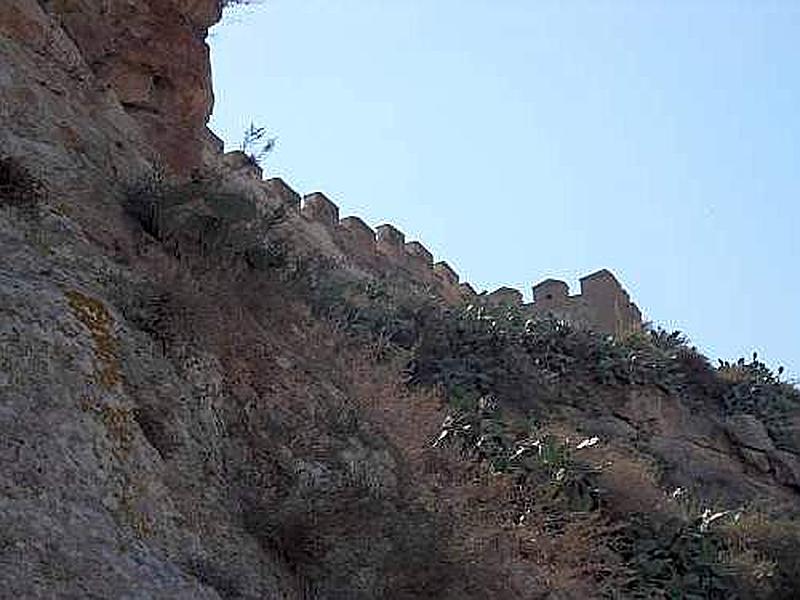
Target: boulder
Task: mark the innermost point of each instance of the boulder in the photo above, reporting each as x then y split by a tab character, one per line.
747	431
787	468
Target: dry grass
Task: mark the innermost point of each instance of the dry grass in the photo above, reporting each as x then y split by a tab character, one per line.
283	366
527	551
763	550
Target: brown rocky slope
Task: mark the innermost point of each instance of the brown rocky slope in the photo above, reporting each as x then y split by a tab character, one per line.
195	406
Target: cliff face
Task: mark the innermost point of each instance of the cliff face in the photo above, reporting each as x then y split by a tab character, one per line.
206	465
68	127
185	417
153	55
106	85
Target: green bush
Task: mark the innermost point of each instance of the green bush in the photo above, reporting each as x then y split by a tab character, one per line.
672	558
521	360
391	310
479	351
538	461
752	387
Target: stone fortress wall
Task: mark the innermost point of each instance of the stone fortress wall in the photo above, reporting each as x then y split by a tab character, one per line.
602	305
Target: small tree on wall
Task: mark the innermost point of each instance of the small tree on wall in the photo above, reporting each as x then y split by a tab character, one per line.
227	3
256	144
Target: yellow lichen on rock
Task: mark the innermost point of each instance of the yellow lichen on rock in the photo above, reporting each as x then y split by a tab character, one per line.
120	423
96	318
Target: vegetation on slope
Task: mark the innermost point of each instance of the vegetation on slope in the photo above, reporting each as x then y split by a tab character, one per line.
507	379
522	397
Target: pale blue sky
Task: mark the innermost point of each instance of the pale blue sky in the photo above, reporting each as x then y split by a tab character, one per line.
520	140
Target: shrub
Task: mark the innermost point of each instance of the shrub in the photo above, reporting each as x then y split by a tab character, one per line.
524	361
752	387
201	218
234	3
391	311
763	550
17	186
672	558
538	461
256	145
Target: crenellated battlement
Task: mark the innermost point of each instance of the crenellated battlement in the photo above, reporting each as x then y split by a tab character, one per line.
317	207
467	291
419	254
391	241
443	271
360	236
504	296
240	163
277	188
602	304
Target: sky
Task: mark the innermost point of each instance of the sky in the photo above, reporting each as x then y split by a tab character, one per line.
521	140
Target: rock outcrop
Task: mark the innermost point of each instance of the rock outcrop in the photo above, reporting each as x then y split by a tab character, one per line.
57	115
153	56
172	426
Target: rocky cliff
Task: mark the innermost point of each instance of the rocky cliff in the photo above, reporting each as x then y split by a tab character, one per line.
198	399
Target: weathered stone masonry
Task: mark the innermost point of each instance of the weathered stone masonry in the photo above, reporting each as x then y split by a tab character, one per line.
153	56
602	305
